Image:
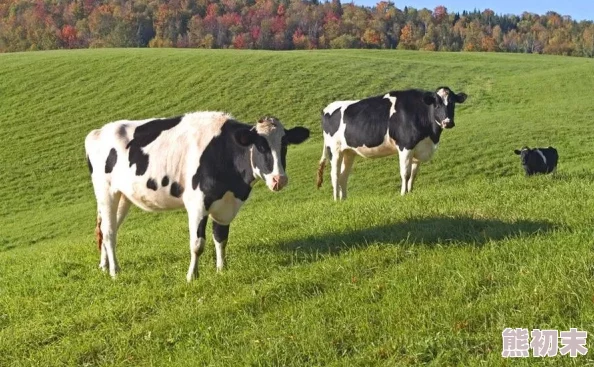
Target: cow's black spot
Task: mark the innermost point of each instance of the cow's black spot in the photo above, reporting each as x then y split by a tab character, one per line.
143	136
165	181
224	166
111	161
262	156
89	165
331	122
220	232
202	227
176	190
151	184
367	122
122	133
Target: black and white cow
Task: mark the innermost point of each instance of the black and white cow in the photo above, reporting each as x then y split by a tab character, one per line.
407	122
538	160
205	162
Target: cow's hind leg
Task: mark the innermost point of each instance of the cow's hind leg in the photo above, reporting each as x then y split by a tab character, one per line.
347	164
220	234
406	157
336	165
107	204
197	225
123	208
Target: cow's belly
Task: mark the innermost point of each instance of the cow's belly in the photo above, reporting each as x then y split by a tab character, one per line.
225	209
424	150
388	147
147	199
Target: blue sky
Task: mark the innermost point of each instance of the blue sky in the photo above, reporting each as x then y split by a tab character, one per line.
577	9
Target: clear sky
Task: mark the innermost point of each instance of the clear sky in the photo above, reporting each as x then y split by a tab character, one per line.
577	9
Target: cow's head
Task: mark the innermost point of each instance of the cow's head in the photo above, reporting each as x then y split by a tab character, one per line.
269	141
443	102
524	154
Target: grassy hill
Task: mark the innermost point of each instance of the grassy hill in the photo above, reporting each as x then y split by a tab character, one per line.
433	277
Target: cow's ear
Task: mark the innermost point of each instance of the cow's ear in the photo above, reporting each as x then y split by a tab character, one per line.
460	97
517	151
245	137
296	135
430	98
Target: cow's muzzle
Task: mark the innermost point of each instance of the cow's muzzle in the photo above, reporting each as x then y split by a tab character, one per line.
278	182
446	124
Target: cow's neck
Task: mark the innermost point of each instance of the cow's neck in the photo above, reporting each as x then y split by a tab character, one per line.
435	130
244	166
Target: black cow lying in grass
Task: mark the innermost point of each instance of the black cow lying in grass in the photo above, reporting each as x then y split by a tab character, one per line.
538	160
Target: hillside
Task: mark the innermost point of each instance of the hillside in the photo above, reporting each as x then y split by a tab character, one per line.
433	277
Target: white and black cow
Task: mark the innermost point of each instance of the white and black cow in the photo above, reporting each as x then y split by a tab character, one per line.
407	122
205	162
538	160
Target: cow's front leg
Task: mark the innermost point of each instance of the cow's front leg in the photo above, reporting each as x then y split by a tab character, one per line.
197	225
220	234
405	156
413	174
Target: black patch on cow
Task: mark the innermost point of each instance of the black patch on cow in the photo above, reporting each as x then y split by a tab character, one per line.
262	156
122	132
201	233
143	136
331	122
220	232
111	161
165	181
367	122
89	165
224	166
413	120
151	184
176	190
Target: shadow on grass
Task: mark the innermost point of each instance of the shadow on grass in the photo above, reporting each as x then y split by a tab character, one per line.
426	231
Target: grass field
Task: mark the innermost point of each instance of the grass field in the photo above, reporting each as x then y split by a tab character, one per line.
430	278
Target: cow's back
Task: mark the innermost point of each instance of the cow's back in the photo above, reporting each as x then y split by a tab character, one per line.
155	158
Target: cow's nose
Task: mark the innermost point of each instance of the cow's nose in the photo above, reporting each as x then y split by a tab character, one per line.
279	181
447	123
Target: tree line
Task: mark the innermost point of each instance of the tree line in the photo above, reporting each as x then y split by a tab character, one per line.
282	25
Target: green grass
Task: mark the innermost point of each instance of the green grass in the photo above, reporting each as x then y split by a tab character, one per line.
430	278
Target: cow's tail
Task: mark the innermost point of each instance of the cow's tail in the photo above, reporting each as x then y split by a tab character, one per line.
98	233
322	165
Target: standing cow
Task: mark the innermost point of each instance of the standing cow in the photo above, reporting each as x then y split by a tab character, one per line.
406	122
538	160
206	162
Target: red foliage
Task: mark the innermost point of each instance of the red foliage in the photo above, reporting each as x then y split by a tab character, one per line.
281	10
440	13
279	25
68	36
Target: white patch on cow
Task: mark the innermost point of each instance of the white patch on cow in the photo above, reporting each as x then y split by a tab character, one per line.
225	209
336	105
443	93
424	150
393	100
387	148
544	159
